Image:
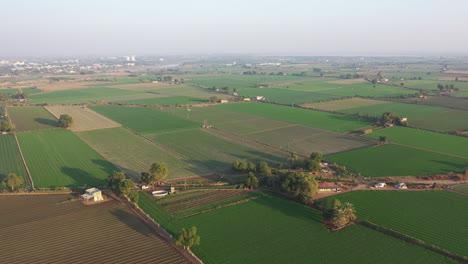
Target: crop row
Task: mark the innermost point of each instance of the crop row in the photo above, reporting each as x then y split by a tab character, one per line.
82	233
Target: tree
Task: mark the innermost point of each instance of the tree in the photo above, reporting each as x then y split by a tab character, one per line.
13	181
264	168
401	84
251	167
280	165
6	126
383	139
292	158
134	196
343	215
316	156
159	171
188	238
147	178
239	165
252	181
213	99
65	121
312	165
125	187
299	185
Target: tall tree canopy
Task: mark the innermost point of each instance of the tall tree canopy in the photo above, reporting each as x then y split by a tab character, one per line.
188	238
65	121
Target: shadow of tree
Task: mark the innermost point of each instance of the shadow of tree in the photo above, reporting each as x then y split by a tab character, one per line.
82	178
131	221
46	121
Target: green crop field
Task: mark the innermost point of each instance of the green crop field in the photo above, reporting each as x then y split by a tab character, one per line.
421	116
395	160
135	154
144	120
424	139
169	100
250	126
337	105
192	91
210	151
10	159
300	116
59	229
212	114
270	229
30	118
305	140
58	158
463	188
435	217
87	95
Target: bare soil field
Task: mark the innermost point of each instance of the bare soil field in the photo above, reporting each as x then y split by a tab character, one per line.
83	117
58	229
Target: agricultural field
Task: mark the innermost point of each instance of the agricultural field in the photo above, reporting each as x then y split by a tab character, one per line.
342	104
287	232
395	160
300	116
83	117
442	101
237	81
214	115
87	95
134	154
58	158
305	140
420	116
31	118
435	217
144	120
56	229
286	96
167	100
10	159
462	188
209	151
437	142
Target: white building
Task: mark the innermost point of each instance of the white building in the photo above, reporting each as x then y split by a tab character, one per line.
92	194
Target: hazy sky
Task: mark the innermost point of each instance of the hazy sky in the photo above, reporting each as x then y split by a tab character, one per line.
292	27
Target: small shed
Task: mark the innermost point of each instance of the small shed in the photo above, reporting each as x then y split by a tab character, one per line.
223	101
380	185
259	98
92	194
401	185
246	99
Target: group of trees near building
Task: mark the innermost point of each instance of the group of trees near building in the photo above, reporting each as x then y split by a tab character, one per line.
122	186
156	174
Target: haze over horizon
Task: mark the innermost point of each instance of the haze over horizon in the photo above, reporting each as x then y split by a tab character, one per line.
315	28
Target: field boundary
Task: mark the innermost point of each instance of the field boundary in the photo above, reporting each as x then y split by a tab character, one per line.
412	240
24	162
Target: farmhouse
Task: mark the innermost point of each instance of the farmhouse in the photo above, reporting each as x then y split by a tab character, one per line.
259	98
380	185
401	185
246	99
223	101
92	194
329	187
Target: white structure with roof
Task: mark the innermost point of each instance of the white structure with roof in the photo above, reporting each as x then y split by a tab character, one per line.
93	194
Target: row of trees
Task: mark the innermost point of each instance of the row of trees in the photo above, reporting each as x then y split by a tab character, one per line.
122	186
245	166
